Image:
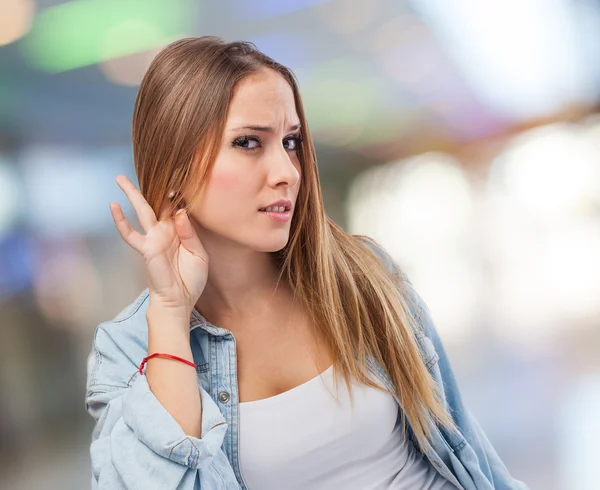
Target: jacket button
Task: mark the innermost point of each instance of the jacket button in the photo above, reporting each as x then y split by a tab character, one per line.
224	397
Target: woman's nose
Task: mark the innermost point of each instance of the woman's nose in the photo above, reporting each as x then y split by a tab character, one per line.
283	168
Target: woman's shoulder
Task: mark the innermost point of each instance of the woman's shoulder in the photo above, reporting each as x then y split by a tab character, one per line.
130	324
415	302
136	307
381	253
119	345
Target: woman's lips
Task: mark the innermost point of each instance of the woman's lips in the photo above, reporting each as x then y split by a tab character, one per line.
281	217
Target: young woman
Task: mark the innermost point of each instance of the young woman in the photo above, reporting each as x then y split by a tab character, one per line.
223	373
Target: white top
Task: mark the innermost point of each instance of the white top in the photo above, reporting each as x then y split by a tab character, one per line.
304	439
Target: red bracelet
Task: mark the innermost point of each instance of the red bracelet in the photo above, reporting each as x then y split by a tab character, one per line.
158	354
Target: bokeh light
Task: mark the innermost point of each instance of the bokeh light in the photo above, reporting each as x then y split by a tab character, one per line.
420	208
16	17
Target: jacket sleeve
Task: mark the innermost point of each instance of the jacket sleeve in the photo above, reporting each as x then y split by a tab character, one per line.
136	443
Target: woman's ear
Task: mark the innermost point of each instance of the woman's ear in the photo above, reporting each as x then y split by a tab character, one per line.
171	205
177	199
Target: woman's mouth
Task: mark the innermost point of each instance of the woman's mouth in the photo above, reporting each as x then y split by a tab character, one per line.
278	213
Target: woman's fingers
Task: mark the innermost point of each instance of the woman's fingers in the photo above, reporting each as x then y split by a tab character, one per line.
187	235
143	210
134	239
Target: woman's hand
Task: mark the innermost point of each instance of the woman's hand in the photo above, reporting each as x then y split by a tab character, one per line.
176	262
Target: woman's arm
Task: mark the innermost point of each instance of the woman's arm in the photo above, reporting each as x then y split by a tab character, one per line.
173	383
136	442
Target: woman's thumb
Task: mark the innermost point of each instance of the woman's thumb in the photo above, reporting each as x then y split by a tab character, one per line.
186	233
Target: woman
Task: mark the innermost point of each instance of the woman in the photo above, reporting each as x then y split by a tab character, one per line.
257	304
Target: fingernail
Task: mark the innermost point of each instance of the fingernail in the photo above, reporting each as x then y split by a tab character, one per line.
180	211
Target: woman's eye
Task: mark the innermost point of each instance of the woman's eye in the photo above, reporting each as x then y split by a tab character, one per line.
247	143
295	142
251	143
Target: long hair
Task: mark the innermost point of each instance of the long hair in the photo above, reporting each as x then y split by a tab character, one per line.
350	297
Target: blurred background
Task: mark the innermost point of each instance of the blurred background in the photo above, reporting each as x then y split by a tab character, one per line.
464	135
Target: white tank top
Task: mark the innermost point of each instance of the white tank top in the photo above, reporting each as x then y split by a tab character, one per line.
304	439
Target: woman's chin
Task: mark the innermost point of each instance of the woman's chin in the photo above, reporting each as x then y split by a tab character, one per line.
272	242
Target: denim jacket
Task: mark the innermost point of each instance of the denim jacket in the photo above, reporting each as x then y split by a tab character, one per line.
137	445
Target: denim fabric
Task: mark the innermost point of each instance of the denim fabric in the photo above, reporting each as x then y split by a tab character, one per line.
136	444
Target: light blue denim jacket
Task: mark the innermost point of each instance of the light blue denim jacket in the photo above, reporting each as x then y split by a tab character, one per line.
137	445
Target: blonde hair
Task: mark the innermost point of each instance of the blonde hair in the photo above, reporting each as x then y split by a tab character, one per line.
354	302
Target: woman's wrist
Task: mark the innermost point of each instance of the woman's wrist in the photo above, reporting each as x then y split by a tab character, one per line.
168	312
168	332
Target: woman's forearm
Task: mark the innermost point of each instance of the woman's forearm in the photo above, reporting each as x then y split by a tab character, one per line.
172	382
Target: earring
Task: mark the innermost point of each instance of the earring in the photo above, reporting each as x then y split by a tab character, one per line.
171	195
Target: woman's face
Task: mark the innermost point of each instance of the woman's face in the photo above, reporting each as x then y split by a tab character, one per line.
257	165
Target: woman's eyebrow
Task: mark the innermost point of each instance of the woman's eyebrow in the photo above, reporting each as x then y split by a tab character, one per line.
267	129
